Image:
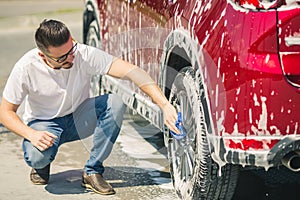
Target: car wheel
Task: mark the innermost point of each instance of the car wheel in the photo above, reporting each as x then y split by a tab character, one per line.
194	173
92	39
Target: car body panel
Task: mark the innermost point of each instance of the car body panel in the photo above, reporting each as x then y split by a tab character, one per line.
239	54
289	44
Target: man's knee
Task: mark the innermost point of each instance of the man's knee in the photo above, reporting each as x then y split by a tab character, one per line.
36	158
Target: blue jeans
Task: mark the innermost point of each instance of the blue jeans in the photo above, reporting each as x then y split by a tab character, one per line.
101	116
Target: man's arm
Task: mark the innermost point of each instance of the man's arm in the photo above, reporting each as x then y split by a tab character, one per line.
124	70
9	118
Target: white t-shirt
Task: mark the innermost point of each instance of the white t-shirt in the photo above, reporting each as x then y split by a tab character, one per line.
50	93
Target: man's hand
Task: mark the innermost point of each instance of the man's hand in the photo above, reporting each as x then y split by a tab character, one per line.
170	117
42	139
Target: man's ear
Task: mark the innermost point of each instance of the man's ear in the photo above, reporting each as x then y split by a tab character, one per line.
41	54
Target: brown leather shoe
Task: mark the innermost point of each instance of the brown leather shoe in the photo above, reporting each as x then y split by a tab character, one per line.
40	176
97	183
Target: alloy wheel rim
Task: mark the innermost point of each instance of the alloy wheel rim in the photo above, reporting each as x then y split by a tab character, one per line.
183	151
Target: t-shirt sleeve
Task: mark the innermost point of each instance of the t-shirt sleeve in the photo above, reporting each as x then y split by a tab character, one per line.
98	61
16	88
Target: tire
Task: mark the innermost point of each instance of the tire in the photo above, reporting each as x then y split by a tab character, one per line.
92	36
93	39
194	174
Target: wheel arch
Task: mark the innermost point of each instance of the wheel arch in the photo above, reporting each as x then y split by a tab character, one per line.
182	50
178	52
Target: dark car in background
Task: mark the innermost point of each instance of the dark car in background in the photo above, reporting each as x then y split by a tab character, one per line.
231	67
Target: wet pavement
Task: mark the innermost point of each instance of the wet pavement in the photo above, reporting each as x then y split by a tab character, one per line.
136	168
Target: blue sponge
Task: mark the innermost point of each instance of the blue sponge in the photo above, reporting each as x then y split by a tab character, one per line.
178	124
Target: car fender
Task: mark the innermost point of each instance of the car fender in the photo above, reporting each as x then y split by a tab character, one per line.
202	64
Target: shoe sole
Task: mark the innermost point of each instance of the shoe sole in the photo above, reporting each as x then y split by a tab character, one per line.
88	186
38	183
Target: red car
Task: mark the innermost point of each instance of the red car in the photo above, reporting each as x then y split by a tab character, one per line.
231	67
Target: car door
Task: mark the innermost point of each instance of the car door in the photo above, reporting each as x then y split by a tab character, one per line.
134	30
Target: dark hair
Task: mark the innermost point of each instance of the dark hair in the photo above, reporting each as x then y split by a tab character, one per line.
51	33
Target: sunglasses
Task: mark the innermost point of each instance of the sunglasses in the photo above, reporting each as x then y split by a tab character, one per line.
65	56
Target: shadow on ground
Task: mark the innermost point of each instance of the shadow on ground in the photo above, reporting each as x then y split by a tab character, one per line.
254	186
69	182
